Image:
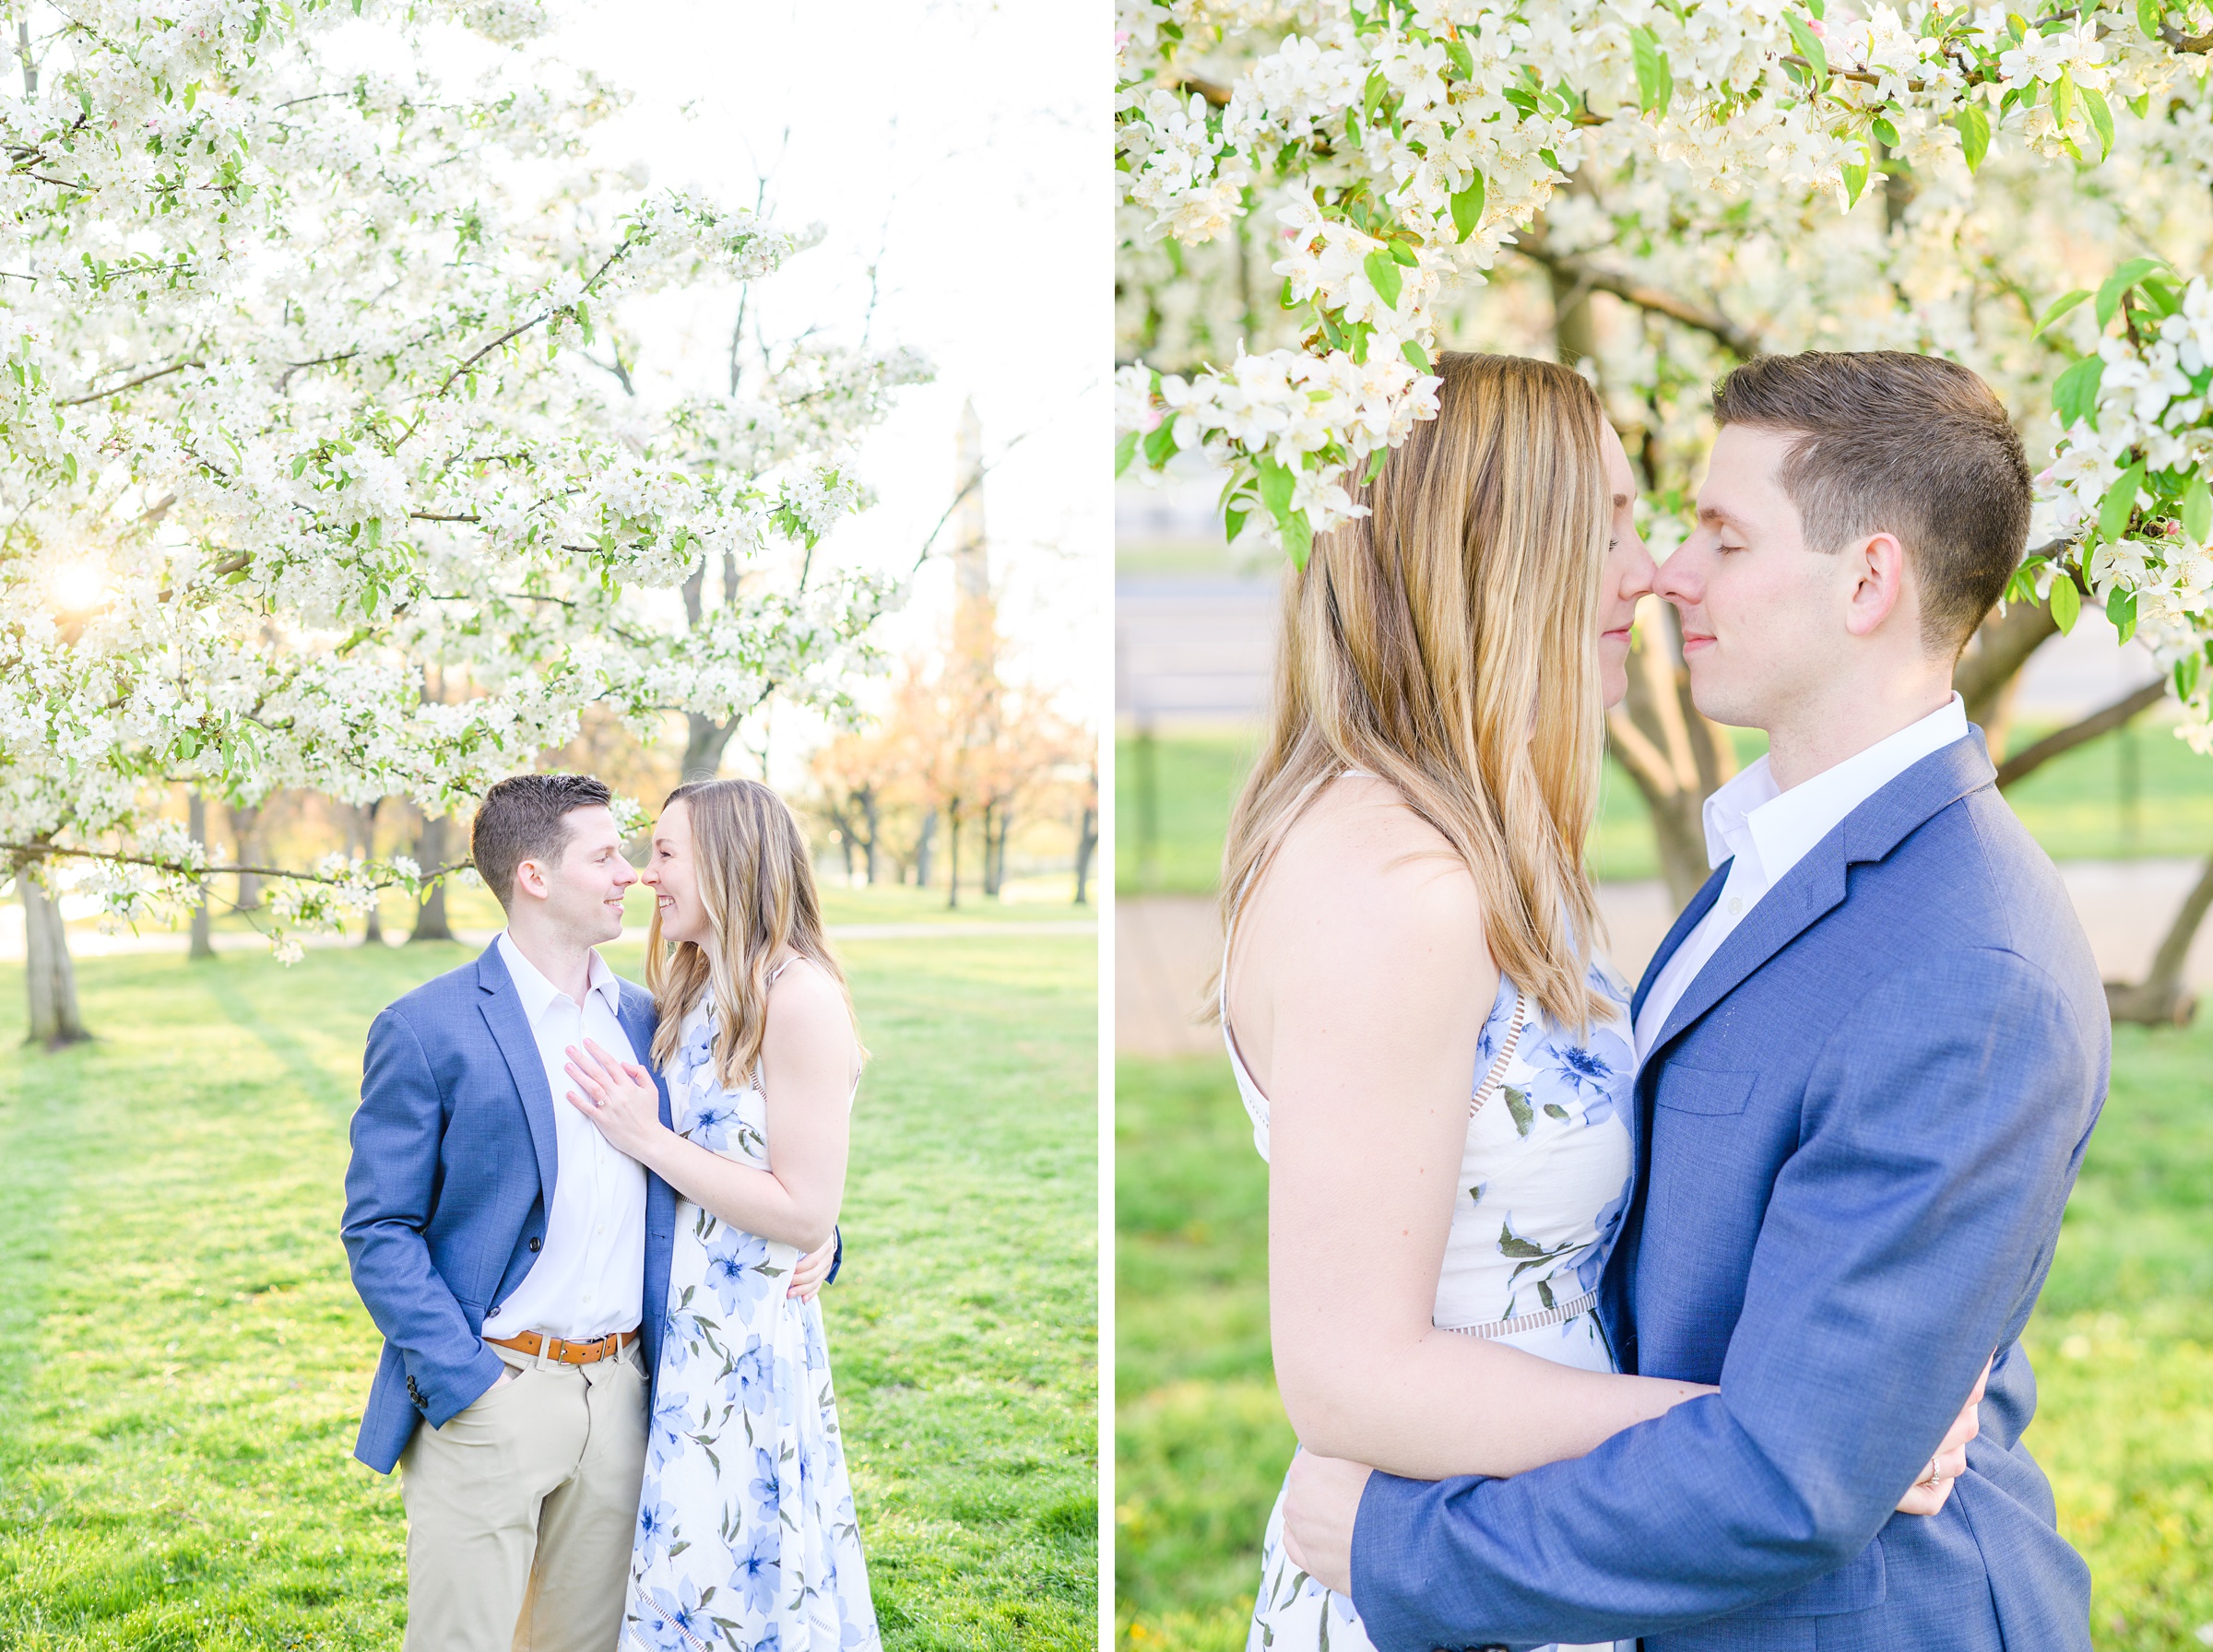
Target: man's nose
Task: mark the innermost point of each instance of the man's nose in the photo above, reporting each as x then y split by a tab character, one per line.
1676	579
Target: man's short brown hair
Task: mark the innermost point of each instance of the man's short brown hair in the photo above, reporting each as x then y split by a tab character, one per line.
524	818
1914	446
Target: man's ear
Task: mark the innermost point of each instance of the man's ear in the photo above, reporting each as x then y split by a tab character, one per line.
1880	584
530	879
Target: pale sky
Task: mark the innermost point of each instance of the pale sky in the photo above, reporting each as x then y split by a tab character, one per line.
955	145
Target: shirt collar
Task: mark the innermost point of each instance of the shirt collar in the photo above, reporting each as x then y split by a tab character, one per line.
537	993
1783	826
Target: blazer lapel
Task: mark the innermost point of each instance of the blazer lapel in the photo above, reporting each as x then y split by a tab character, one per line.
1818	883
639	1024
1685	921
504	1014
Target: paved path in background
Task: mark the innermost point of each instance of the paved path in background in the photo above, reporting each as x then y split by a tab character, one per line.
1166	946
92	944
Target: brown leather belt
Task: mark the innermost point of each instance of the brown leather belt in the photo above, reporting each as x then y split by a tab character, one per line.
536	1345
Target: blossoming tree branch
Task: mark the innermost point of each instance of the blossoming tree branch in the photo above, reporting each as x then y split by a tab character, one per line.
1310	192
307	403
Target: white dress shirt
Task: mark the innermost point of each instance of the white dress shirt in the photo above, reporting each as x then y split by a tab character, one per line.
589	1278
1764	831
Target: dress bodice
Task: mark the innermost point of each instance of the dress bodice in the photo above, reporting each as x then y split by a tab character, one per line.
733	1123
1546	1173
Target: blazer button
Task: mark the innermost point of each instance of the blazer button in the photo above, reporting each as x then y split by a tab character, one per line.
535	1242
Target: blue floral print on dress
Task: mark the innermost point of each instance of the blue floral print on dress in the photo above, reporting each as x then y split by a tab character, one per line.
747	1536
1544	1179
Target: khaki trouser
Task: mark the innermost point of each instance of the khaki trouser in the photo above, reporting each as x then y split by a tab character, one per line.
522	1508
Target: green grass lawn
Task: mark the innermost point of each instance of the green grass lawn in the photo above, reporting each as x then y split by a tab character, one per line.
2140	792
182	1360
2123	1360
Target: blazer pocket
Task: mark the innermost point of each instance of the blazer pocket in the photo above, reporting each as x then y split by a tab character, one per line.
1703	1090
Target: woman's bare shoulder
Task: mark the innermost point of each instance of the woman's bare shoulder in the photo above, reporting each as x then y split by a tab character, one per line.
803	998
1359	861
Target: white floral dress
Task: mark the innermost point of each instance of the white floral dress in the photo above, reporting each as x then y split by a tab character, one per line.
1545	1178
747	1539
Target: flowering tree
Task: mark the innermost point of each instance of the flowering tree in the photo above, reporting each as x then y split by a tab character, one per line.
300	411
1313	196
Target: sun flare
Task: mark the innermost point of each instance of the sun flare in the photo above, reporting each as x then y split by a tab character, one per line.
79	587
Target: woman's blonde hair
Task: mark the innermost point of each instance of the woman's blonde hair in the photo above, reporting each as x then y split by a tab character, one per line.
1447	643
756	880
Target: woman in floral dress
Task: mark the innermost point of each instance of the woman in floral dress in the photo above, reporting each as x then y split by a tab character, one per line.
747	1539
1436	1065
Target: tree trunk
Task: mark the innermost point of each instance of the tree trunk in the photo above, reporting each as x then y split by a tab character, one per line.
203	940
995	836
867	805
242	825
51	981
1990	668
372	927
1674	756
1574	335
1087	843
953	858
925	840
2161	998
704	740
430	911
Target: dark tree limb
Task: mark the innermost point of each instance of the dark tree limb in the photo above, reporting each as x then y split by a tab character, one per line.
2022	764
1577	271
2161	998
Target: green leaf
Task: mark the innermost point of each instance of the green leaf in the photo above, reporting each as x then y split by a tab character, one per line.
1655	75
2060	306
2101	118
1374	465
2066	601
1160	444
1524	1115
1467	208
1234	520
1377	88
1299	539
1855	182
1884	130
1125	450
2075	396
1404	254
2121	609
1460	58
2062	97
2149	14
1972	126
2120	282
1383	276
2161	295
1809	45
2198	509
2119	503
2185	675
1276	486
1415	354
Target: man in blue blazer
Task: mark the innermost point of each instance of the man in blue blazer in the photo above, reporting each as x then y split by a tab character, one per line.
1872	1051
516	1264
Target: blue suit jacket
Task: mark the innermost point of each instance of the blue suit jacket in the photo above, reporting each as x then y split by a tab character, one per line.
1856	1134
452	1172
